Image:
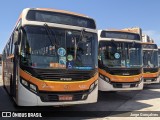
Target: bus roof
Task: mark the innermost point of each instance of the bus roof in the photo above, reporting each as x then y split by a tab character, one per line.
118	30
53	10
148	43
26	10
115	30
61	11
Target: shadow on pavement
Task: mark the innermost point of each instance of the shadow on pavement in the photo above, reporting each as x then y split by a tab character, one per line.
108	104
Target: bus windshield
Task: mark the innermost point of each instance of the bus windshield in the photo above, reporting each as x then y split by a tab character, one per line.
150	58
120	54
61	49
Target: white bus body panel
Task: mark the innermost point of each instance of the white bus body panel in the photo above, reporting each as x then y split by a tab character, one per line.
152	82
105	86
31	99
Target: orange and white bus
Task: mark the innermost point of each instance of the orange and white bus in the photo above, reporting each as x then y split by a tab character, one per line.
0	59
120	60
150	63
159	62
51	59
159	56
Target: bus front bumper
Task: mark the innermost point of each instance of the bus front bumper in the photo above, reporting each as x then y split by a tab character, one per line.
151	80
28	98
106	86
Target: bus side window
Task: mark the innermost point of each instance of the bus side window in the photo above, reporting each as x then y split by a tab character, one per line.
12	47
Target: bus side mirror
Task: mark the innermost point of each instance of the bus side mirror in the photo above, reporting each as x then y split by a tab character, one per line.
16	51
16	37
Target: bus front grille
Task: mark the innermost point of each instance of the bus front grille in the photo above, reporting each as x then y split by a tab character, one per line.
150	70
54	97
60	74
64	75
122	85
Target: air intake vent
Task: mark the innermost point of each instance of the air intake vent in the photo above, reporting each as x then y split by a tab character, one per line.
60	74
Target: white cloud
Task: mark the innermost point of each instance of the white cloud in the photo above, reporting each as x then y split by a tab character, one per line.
155	35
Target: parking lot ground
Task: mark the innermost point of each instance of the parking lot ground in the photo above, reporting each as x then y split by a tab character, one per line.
110	105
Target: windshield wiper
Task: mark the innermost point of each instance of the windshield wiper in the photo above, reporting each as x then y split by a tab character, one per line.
82	34
50	35
76	44
152	55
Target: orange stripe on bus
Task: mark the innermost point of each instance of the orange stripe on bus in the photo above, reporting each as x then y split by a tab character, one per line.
150	75
45	85
118	78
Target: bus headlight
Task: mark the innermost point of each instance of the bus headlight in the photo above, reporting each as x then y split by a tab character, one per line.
101	76
96	82
104	78
33	88
25	83
141	79
107	79
93	86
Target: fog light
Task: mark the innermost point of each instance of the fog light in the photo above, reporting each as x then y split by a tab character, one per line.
84	96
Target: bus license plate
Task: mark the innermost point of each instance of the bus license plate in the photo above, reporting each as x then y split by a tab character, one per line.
65	97
148	80
126	85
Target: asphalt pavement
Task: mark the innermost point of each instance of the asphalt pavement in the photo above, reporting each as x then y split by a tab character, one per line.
110	105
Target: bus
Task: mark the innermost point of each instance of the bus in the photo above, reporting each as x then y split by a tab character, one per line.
159	56
150	63
120	60
0	64
159	62
0	59
50	59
